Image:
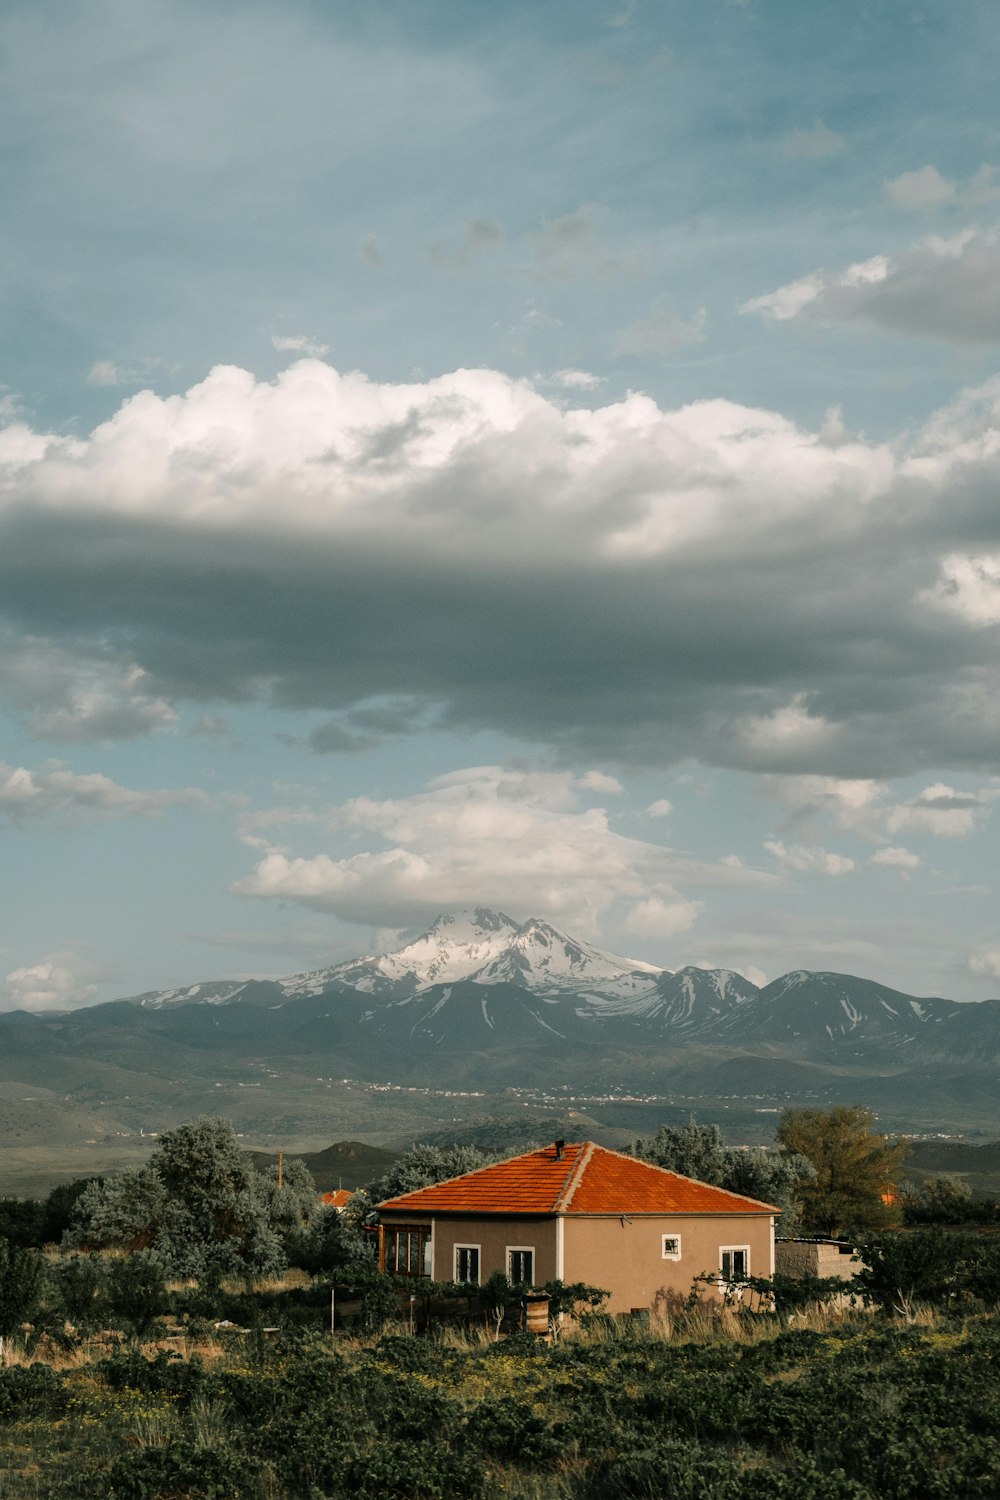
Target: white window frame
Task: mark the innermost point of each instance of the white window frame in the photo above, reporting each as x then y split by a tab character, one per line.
671	1239
521	1249
725	1250
479	1263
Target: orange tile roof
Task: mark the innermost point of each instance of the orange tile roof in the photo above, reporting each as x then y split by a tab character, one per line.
337	1198
589	1179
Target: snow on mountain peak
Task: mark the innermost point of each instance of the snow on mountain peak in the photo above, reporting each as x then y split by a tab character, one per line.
488	947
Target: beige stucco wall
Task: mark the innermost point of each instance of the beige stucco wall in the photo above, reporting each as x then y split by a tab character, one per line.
493	1236
625	1254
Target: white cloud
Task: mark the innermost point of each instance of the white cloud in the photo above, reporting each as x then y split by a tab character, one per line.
53	792
661	331
969	586
660	809
941	288
927	188
599	781
299	343
896	858
576	380
923	188
104	372
809	858
52	984
864	808
742	565
812	144
792	300
986	961
656	918
72	699
515	840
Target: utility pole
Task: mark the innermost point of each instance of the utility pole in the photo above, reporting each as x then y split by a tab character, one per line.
281	1170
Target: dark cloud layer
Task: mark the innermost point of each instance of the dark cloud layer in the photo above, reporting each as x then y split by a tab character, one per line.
766	606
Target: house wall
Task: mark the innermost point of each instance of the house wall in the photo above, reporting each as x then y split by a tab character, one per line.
624	1255
493	1235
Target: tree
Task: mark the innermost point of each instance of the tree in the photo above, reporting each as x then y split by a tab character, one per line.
199	1207
22	1275
699	1151
855	1167
419	1167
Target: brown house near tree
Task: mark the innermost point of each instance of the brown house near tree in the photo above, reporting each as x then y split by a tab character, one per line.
579	1212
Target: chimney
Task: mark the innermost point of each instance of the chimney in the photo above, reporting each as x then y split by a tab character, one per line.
560	1148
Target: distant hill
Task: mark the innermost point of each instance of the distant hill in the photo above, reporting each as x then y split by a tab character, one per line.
348	1164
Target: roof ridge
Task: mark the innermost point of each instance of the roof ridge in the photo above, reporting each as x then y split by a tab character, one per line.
698	1181
573	1180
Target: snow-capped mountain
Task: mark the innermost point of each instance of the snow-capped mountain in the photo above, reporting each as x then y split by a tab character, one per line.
486	947
478	980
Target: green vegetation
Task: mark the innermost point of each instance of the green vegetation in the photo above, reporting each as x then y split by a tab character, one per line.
724	1404
151	1362
855	1168
201	1209
699	1151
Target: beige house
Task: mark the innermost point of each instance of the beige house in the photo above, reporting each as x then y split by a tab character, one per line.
579	1212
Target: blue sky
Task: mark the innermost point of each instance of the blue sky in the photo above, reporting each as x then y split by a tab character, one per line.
538	456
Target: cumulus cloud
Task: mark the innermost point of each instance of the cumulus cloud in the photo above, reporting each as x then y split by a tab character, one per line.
941	288
865	808
73	697
925	187
809	858
661	808
624	584
299	343
521	841
599	781
580	380
969	585
896	858
986	961
55	793
53	984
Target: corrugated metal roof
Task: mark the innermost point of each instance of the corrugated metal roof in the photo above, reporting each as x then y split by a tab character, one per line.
587	1179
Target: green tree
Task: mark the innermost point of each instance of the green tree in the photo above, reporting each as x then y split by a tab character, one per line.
22	1276
21	1221
199	1207
419	1167
135	1291
855	1167
699	1151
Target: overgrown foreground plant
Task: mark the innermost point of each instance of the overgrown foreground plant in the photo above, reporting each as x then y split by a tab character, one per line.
863	1409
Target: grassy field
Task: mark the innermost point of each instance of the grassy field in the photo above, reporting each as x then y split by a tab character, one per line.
698	1406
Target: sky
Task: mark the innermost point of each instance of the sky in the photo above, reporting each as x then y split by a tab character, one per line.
542	456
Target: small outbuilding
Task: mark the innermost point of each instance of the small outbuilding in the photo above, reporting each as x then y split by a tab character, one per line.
576	1211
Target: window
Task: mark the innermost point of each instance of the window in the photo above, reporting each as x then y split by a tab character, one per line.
671	1247
408	1250
521	1263
467	1263
734	1261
